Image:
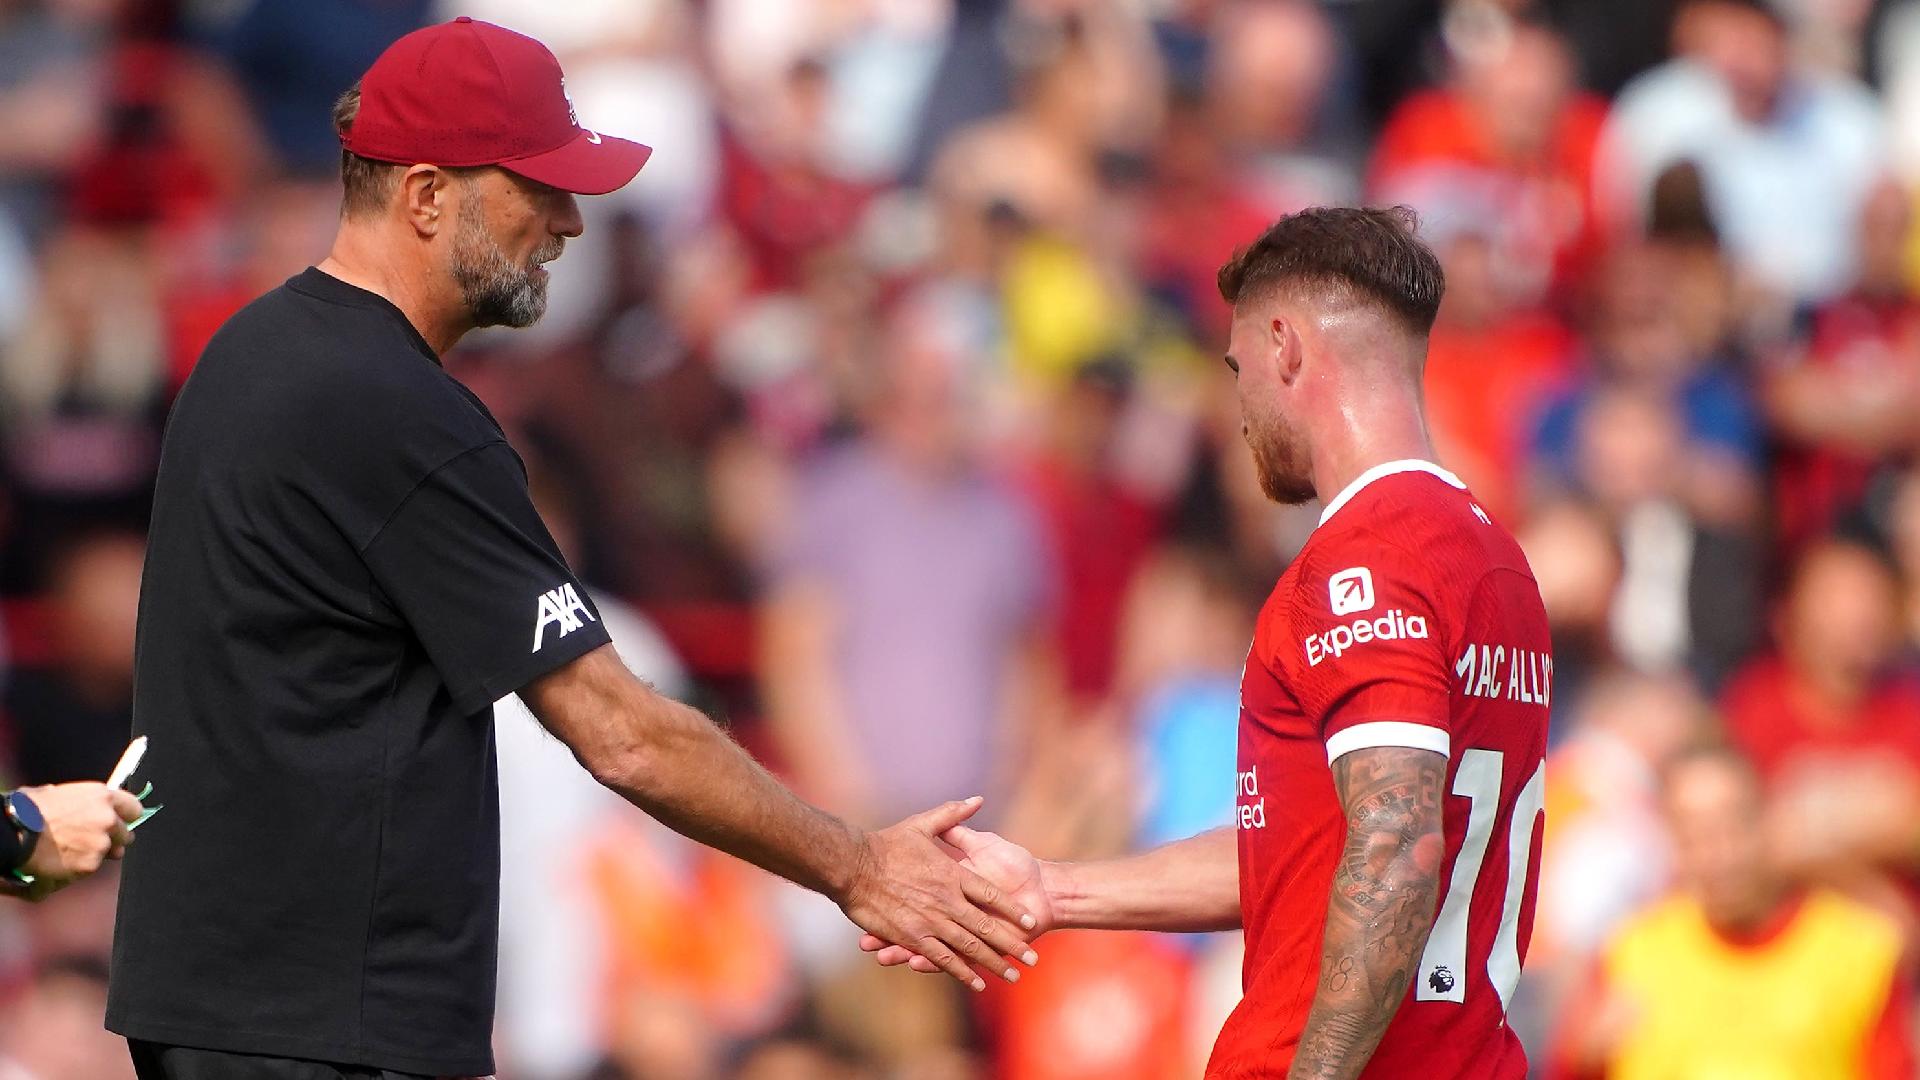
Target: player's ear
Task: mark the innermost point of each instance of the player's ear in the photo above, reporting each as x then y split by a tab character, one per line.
1283	340
425	193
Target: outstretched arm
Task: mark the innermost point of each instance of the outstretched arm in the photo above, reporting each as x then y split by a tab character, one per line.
672	762
1188	886
1381	908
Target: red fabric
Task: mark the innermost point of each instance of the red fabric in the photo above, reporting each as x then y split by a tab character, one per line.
1485	389
1890	1053
1559	195
785	212
1102	1006
1814	485
1777	721
512	110
141	173
1100	535
1464	650
1189	231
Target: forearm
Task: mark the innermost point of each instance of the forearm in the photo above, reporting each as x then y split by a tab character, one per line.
698	782
674	763
1190	885
1380	911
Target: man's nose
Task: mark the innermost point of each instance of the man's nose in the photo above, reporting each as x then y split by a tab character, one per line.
566	220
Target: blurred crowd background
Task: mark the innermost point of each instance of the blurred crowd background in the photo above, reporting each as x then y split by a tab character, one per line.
886	415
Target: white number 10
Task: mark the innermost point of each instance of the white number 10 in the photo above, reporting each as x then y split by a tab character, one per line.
1442	974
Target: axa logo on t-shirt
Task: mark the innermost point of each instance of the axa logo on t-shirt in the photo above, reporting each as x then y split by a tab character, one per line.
1350	590
560	607
1395	625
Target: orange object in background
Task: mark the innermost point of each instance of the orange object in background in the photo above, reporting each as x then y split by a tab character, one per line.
1100	1006
686	923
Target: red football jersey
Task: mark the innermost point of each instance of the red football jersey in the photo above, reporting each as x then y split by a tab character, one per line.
1409	619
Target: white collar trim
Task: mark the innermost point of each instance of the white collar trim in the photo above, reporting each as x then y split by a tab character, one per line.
1383	469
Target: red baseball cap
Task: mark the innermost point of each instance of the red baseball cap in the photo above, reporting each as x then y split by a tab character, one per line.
471	93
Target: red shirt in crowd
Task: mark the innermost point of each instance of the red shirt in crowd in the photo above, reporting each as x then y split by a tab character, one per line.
1774	720
1871	338
1409	619
1554	196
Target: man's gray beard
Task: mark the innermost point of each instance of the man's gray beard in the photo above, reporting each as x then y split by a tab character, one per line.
495	290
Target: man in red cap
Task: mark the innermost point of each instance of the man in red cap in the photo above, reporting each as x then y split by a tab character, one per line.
345	571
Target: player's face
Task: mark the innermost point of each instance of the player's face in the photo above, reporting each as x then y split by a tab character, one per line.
505	228
1716	810
1257	353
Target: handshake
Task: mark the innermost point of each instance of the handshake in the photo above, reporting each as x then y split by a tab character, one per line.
938	896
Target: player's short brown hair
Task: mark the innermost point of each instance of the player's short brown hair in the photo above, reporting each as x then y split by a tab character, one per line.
365	184
1352	253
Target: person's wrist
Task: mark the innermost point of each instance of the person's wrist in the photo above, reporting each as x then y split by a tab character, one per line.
843	876
1065	893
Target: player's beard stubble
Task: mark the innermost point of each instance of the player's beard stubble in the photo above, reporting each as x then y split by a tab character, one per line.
1280	460
496	290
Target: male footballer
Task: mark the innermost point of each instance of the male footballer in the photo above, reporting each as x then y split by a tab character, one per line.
1393	711
345	571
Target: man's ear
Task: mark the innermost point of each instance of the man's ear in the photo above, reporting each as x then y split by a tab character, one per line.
425	195
1283	342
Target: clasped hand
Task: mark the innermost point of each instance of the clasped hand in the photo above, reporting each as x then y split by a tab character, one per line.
922	900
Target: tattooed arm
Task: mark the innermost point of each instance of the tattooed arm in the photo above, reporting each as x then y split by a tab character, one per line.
1381	909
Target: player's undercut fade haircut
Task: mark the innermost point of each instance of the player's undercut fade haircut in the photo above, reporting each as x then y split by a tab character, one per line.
1347	254
365	184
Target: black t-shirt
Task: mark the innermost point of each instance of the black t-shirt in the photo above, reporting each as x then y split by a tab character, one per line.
344	570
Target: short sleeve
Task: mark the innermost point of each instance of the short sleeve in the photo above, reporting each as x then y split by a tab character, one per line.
1371	665
474	573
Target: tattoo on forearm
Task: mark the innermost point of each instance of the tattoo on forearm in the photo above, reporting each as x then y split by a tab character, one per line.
1381	909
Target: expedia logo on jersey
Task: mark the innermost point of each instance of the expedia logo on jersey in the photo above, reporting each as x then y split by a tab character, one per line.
1393	626
561	607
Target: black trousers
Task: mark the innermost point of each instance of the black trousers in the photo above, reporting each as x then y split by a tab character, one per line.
157	1061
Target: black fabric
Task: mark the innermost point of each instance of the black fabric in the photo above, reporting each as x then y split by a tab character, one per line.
344	569
153	1061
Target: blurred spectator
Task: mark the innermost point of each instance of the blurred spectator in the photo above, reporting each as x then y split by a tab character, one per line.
777	189
1742	974
1100	527
901	628
1788	155
1202	206
1576	562
1614	41
1183	637
1269	70
293	60
69	719
1830	723
1646	341
1899	522
1508	120
1850	399
1037	164
1609	856
554	957
1664	444
52	1030
1495	355
51	104
82	397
